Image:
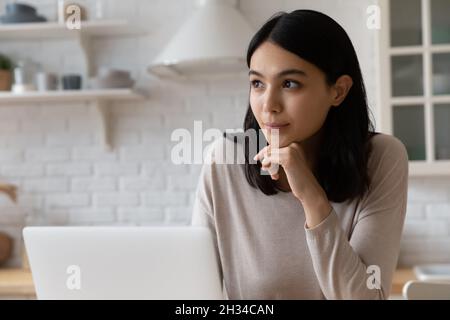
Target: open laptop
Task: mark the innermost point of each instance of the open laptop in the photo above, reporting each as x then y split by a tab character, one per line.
161	262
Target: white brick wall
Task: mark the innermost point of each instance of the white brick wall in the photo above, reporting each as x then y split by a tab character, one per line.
52	151
426	236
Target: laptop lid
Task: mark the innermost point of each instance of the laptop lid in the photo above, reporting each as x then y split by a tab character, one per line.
160	262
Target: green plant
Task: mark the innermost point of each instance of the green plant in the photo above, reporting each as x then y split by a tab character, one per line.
5	63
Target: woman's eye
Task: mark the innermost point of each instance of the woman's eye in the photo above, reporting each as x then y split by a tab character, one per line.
256	83
291	84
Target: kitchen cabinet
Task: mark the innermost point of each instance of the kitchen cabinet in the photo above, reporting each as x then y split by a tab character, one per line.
414	80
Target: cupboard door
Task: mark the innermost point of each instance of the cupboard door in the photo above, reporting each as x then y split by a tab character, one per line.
409	127
407	75
442	131
406	23
440	21
441	72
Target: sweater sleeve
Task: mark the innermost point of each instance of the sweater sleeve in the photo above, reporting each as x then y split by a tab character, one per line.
346	268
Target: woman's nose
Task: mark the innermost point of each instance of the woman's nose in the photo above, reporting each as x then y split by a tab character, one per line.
271	102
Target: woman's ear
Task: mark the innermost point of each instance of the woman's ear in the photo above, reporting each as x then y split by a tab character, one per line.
341	88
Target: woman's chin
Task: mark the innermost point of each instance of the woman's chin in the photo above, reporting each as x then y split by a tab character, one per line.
281	143
282	140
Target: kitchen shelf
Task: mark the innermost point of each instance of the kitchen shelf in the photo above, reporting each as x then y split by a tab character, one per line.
70	95
46	30
98	100
53	30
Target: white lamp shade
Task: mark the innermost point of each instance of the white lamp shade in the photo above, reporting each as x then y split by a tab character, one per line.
213	41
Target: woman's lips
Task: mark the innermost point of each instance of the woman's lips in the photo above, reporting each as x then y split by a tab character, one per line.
275	125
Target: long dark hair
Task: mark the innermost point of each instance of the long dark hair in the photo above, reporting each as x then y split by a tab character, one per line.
341	167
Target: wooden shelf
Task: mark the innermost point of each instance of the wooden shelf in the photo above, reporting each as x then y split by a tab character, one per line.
98	100
46	30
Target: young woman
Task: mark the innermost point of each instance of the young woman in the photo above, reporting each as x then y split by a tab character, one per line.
328	223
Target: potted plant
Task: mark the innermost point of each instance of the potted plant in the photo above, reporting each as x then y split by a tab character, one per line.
5	73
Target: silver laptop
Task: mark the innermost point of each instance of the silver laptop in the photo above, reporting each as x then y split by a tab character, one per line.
161	262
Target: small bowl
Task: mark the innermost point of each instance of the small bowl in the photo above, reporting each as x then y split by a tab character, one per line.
21	18
14	8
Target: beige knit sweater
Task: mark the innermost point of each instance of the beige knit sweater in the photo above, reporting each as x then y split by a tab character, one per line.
265	251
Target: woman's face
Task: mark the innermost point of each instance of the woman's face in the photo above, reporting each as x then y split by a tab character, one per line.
288	93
